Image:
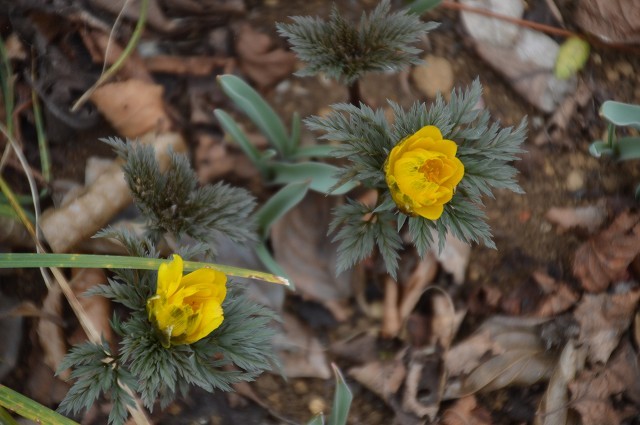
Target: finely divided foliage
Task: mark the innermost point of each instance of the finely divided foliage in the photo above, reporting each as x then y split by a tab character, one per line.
344	51
366	140
173	202
238	351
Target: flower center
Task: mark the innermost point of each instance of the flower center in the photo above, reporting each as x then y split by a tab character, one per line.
432	169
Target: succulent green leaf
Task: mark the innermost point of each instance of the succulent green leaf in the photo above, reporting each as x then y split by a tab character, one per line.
621	114
628	148
341	400
600	148
278	205
322	176
233	129
258	110
315	151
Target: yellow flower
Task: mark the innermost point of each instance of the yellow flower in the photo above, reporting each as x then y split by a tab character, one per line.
187	308
422	172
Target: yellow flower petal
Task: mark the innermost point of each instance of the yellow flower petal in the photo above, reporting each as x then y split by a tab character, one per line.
422	172
187	308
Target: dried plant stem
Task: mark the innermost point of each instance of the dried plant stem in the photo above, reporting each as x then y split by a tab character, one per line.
133	42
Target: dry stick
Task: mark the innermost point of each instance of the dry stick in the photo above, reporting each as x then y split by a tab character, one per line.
133	42
136	411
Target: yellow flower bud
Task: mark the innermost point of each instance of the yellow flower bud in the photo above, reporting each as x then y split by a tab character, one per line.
187	308
422	172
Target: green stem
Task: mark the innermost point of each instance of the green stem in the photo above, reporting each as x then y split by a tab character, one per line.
133	42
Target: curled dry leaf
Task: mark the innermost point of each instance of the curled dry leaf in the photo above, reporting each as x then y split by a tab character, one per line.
605	257
466	411
590	217
554	406
593	390
603	319
504	351
384	378
133	107
614	21
109	194
259	61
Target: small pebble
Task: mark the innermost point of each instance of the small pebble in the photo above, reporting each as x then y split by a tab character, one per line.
317	405
575	180
300	387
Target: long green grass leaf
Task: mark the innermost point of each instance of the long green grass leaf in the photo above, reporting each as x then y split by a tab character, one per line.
259	111
29	260
29	409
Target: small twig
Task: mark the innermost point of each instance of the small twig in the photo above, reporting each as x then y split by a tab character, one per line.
133	42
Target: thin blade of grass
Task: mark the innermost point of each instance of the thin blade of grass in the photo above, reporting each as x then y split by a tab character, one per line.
30	260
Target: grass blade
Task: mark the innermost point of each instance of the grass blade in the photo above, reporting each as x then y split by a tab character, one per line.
29	260
259	111
29	409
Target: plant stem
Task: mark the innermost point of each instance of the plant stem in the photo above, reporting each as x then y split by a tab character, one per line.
354	93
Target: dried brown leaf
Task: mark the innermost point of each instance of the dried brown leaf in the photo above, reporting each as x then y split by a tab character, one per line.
51	334
590	217
558	298
300	352
606	256
504	351
466	411
98	308
383	378
614	21
554	406
133	107
603	319
265	66
303	249
593	390
105	50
